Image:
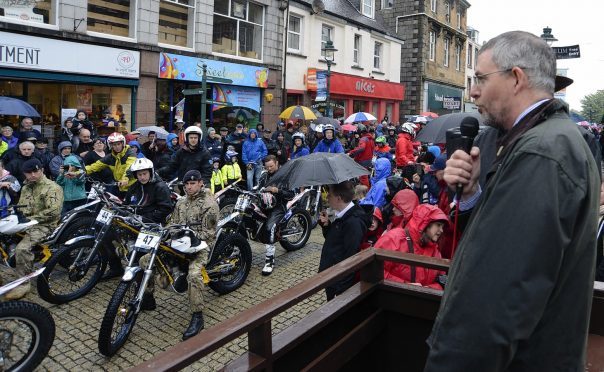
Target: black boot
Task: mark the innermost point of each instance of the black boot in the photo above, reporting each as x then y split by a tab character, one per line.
195	326
148	302
115	267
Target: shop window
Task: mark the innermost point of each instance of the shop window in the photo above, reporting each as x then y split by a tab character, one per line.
41	11
293	100
389	111
11	88
326	34
358	106
294	33
111	17
238	32
174	19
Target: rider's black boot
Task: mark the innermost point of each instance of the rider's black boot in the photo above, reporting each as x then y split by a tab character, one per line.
115	266
195	326
148	302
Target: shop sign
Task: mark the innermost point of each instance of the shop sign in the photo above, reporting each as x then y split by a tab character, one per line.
178	67
22	10
452	103
321	86
325	104
37	53
567	52
350	85
236	96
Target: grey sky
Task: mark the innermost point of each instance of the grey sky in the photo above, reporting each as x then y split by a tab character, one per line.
572	22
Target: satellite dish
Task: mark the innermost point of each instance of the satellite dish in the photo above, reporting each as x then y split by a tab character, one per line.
318	6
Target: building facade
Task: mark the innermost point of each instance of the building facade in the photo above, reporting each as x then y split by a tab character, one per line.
365	74
434	53
131	60
472	47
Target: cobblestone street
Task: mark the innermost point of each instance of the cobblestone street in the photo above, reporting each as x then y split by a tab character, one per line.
75	346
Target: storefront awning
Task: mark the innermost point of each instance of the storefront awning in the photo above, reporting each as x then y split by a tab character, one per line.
61	77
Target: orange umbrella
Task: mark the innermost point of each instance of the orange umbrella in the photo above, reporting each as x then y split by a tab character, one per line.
429	114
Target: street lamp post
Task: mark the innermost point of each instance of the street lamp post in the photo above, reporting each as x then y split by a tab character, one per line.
329	52
547	36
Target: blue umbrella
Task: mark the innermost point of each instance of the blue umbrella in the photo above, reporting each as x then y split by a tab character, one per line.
13	106
358	117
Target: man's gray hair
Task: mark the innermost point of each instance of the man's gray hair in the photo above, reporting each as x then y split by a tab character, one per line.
28	143
527	51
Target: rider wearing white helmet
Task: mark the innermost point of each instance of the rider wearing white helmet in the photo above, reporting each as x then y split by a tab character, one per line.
149	193
118	161
300	148
192	155
329	143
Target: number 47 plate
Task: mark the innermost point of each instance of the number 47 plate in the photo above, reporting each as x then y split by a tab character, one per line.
147	240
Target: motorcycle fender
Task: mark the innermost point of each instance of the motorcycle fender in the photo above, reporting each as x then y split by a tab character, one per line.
226	220
62	224
79	239
130	273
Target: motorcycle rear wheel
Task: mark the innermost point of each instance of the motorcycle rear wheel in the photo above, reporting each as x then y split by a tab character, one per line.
59	285
299	220
119	318
233	248
38	328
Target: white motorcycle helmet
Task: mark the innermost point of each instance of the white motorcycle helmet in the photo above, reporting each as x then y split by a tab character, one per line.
10	224
142	164
186	242
193	129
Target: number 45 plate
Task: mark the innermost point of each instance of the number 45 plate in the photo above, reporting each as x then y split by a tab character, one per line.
147	239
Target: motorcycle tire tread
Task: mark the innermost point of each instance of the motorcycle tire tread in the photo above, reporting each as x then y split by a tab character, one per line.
224	287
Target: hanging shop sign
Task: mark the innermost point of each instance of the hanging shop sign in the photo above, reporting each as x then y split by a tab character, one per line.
37	53
178	67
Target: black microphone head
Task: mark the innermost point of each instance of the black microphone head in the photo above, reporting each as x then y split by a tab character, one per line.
469	126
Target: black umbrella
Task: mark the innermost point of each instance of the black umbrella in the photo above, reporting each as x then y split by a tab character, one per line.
320	168
436	130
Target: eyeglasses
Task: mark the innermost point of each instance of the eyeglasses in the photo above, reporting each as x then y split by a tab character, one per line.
479	79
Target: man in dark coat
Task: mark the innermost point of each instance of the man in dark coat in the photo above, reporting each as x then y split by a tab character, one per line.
344	235
192	155
520	287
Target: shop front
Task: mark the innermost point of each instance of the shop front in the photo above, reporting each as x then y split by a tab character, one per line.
235	90
60	77
350	94
442	99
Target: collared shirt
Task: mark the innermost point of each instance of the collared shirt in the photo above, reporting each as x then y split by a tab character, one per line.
469	203
341	213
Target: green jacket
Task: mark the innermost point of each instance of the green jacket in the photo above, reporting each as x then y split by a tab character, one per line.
520	287
73	188
119	165
43	201
200	207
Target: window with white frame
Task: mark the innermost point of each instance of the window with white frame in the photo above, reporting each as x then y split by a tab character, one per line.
326	34
433	5
458	57
446	54
294	33
356	56
111	17
448	11
386	4
238	28
458	19
174	19
377	55
432	46
40	11
367	8
470	53
475	56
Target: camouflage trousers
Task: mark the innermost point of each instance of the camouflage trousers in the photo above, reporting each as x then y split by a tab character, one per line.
195	290
23	254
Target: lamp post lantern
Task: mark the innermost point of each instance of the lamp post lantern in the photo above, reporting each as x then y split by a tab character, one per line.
328	51
547	36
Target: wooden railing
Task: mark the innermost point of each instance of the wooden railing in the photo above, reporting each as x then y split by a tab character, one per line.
256	321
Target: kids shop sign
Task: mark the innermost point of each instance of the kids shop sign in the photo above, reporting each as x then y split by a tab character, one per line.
178	67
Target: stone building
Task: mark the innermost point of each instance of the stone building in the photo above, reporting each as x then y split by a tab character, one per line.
472	47
131	60
433	56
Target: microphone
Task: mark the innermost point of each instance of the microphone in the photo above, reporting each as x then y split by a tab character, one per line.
468	129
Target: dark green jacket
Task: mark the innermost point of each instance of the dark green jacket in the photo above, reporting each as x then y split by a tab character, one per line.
519	291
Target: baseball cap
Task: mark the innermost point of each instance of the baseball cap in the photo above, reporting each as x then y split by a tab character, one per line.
192	175
31	165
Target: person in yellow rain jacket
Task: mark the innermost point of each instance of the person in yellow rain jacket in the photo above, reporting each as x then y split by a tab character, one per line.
217	183
118	161
231	172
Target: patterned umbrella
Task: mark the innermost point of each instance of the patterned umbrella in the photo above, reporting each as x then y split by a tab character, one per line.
13	106
298	112
359	117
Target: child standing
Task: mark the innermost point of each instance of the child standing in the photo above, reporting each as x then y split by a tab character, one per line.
231	172
72	179
217	182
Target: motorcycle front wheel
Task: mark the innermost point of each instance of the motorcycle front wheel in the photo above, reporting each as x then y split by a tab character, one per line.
296	231
27	331
230	263
59	284
120	316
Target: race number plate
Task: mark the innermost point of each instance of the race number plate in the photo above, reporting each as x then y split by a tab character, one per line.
104	216
147	240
